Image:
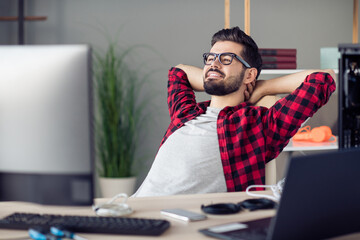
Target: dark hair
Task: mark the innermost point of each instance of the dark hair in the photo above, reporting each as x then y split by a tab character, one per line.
250	51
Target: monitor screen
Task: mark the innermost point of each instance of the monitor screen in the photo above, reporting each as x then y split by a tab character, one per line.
46	136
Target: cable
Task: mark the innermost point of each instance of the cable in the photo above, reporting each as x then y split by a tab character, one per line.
276	189
114	209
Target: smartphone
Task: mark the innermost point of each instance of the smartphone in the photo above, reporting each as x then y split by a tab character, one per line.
183	214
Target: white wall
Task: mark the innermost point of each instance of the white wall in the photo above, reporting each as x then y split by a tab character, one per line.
181	30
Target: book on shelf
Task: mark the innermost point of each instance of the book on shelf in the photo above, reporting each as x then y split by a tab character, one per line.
278	59
288	65
277	51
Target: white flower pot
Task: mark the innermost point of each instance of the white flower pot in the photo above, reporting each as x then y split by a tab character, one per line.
112	186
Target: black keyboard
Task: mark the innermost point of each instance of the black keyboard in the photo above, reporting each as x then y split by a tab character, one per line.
87	224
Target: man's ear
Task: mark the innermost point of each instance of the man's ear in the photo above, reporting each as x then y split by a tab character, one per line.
250	75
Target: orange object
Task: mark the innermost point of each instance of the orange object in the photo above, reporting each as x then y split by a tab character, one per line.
317	134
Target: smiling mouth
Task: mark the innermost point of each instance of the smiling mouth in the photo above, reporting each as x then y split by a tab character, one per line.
213	73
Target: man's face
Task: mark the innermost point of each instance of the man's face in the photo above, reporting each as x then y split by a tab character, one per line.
219	79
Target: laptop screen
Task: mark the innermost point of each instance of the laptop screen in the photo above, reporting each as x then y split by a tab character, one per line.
320	197
320	200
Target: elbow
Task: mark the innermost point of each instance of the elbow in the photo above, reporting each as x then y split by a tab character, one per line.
181	66
331	72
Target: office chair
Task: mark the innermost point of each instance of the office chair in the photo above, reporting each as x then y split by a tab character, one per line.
270	167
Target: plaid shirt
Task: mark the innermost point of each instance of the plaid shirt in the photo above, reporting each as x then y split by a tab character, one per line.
249	136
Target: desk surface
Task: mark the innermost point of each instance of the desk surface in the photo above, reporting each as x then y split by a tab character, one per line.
150	207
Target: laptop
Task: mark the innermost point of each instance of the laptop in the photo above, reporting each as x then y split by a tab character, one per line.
320	199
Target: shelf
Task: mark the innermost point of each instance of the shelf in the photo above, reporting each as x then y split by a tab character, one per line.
284	71
29	18
310	146
280	71
20	19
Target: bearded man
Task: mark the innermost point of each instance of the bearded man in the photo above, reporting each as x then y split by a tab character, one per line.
222	145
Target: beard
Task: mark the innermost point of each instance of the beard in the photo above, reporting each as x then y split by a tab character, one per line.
223	87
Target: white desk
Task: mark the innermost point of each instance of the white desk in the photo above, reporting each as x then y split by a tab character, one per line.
149	207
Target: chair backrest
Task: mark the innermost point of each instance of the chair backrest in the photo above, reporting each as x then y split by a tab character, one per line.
270	167
270	172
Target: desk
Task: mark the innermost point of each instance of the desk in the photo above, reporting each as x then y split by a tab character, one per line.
150	207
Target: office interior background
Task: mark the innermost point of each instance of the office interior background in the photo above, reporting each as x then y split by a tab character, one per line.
180	32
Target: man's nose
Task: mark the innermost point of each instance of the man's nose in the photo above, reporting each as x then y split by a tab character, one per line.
216	63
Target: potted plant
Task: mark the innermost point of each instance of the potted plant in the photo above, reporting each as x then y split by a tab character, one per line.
118	119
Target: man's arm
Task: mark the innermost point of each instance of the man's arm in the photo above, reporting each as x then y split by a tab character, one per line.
282	85
195	76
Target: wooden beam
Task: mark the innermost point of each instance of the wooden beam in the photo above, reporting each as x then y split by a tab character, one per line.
21	22
355	21
227	14
247	17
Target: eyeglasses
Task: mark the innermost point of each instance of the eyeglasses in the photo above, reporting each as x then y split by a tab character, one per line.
224	58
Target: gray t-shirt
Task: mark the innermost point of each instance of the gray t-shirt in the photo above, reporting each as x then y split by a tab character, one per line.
188	162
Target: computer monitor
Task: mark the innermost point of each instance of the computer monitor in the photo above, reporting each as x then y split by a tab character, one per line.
46	137
349	96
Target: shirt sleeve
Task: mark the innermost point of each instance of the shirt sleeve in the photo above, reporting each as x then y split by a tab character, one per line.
180	93
286	116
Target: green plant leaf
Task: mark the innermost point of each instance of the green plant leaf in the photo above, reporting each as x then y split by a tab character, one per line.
119	113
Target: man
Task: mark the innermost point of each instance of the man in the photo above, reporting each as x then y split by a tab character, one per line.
223	144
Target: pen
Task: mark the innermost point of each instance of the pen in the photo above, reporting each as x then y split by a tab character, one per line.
41	234
59	232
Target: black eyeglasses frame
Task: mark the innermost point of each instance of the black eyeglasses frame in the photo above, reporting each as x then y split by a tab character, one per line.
218	55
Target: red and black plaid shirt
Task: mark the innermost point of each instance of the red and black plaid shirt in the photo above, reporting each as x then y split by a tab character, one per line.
249	136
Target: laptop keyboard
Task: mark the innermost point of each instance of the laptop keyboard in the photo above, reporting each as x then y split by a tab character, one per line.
254	234
256	230
87	224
